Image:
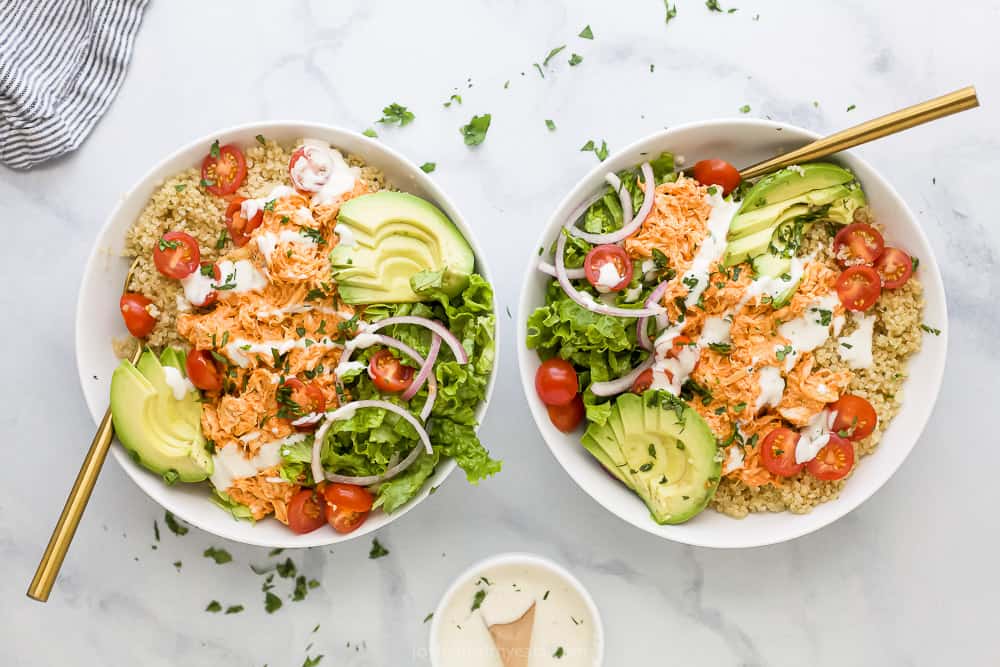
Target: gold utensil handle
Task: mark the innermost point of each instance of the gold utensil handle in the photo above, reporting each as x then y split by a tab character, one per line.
62	535
897	121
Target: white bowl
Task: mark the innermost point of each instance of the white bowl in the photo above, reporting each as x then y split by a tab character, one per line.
98	320
513	558
745	142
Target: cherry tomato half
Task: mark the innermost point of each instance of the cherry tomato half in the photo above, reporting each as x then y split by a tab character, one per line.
344	520
315	168
135	312
556	382
777	452
567	417
859	287
857	243
388	373
348	496
643	382
224	172
176	255
239	227
717	172
856	418
680	343
305	512
210	269
308	397
608	268
894	267
203	371
834	461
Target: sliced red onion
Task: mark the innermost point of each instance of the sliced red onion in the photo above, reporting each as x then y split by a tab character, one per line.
624	383
586	300
572	274
629	224
436	327
346	412
425	370
389	473
389	341
642	330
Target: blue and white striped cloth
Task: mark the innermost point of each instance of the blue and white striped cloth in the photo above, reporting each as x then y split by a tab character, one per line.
61	64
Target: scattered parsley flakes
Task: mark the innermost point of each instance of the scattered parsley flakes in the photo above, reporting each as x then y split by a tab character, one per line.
178	565
313	234
506	84
221	243
180	187
396	114
783	352
721	348
559	653
214	606
554	52
214	150
930	330
287	569
261	140
601	152
428	617
586	33
550	124
475	132
272	602
377	550
174	525
234	609
539	68
220	556
312	662
575	60
300	589
477	599
206	182
671	12
745	108
428	167
713	5
852	107
454	98
370	133
825	316
156	530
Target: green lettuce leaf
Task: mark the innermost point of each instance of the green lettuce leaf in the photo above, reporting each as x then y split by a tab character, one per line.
399	490
238	510
459	441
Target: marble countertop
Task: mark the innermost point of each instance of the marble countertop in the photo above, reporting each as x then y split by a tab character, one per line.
909	578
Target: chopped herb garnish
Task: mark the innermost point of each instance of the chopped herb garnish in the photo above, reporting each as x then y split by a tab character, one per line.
313	234
272	602
454	98
852	107
428	167
311	662
477	599
206	182
234	609
713	5
221	243
214	150
475	132
825	316
550	124
274	552
559	653
930	330
377	550
586	33
720	410
739	407
370	133
220	556
847	345
646	467
552	54
396	113
915	261
745	108
165	245
287	569
214	606
269	205
174	525
180	187
156	530
652	450
546	596
177	564
575	60
783	352
721	348
671	11
261	140
428	617
601	152
300	589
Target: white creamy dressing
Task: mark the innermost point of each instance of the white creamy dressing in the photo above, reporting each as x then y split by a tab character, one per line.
268	241
345	235
196	289
607	277
251	207
632	294
773	286
735	459
712	246
806	333
323	171
231	464
360	341
715	330
772	388
179	385
239	349
814	436
562	619
241	273
856	347
310	418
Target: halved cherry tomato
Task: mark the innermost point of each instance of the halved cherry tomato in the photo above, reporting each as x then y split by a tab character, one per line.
135	312
856	418
567	417
348	496
643	382
176	255
777	452
895	267
239	227
222	174
305	512
857	243
618	262
308	396
859	287
388	373
203	371
834	461
318	168
680	343
717	172
210	268
556	382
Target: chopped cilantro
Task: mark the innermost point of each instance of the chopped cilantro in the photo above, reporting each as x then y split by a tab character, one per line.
745	108
575	60
783	352
234	609
852	107
221	243
428	617
550	124
180	187
601	152
559	653
214	606
825	316
428	167
739	407
165	245
477	599
174	525
396	113
671	11
313	234
214	150
721	348
377	550
311	662
272	602
274	552
220	556
206	182
586	33
454	98
930	330
370	133
552	54
475	132
261	140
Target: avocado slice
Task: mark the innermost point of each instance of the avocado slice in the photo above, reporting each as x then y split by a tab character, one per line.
395	236
662	449
151	427
793	182
747	223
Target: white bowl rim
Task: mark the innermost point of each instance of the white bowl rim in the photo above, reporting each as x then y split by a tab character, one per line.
931	281
154	487
514	558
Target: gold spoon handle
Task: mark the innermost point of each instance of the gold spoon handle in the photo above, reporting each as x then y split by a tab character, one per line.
897	121
62	535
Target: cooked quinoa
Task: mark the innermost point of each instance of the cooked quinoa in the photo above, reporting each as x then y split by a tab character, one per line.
896	337
181	204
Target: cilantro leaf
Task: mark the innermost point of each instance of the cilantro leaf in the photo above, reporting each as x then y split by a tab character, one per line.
396	113
475	132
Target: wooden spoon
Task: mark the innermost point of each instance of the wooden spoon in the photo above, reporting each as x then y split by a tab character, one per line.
513	640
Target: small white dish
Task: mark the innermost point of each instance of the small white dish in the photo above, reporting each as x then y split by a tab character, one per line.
98	320
523	560
744	142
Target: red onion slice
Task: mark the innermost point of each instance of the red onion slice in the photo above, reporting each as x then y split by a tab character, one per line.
572	274
586	300
425	370
346	412
629	224
389	341
642	330
624	383
436	327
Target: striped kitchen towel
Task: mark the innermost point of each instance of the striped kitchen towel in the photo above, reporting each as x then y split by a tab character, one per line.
61	63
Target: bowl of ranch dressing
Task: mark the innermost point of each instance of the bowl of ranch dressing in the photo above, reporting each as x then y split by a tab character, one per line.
566	629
